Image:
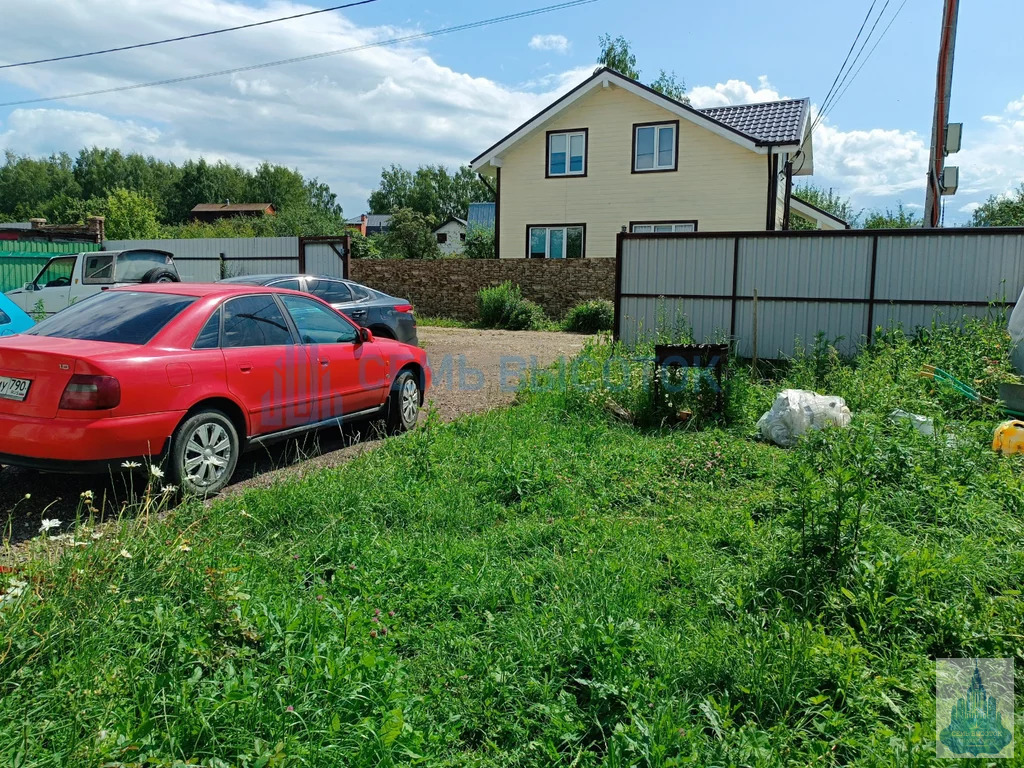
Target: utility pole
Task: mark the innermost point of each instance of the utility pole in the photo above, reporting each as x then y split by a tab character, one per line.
943	88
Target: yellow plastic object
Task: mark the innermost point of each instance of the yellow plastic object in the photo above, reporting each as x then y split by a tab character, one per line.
1009	438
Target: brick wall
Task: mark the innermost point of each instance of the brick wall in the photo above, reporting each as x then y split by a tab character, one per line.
448	287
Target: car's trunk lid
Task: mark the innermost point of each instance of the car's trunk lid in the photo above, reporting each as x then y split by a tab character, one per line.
47	364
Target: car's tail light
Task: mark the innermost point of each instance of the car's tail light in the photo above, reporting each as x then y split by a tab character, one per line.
91	393
403	307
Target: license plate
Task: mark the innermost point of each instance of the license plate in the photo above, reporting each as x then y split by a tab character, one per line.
13	389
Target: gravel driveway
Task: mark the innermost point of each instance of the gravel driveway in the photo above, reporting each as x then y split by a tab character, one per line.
474	371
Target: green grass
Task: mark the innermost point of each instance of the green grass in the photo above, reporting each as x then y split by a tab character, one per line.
427	321
542	585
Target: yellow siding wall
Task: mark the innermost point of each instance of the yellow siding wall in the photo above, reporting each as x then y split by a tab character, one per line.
719	183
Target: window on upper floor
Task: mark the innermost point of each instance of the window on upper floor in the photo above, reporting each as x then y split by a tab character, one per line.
567	153
560	242
654	147
660	227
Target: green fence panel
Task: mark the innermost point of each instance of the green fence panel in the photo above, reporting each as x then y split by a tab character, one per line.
21	260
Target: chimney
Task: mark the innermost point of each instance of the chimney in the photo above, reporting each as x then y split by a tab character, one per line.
95	225
37	223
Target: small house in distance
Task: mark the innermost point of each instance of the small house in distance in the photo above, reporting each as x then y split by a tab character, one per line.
211	212
451	237
369	224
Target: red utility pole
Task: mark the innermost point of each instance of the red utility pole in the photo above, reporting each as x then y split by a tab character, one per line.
943	88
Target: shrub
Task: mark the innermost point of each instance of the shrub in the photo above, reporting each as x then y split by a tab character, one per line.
590	317
480	243
503	306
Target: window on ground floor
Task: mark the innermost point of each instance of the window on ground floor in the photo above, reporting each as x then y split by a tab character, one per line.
563	242
646	228
442	238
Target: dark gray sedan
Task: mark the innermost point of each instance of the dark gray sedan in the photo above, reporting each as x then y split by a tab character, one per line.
384	315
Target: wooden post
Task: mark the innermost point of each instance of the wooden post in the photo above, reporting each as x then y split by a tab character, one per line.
753	364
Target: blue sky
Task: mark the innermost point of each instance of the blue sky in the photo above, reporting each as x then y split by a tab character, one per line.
445	99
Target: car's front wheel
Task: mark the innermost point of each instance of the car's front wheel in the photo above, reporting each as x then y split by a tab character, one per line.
204	453
404	403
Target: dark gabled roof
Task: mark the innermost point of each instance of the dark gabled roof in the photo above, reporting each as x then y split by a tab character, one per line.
769	122
372	220
232	208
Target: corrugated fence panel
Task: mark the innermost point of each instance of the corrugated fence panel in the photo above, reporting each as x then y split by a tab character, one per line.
783	325
321	259
950	267
16	269
43	246
661	266
661	318
919	277
805	267
199	260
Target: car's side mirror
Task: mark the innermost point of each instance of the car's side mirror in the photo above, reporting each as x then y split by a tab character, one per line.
29	287
365	336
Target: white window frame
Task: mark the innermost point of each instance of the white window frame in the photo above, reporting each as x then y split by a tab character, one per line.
677	226
564	229
568	154
657	128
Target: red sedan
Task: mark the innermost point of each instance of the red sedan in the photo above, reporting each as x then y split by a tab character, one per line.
188	376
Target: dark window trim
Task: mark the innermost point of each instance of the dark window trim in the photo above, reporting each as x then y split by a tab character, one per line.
665	221
586	154
675	158
292	330
220	329
583	247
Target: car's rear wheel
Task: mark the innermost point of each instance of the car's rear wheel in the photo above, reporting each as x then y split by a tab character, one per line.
404	403
204	453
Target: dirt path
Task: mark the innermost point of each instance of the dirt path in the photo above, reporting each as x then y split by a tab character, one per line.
474	371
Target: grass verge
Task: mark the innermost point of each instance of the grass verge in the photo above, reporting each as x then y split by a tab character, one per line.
542	585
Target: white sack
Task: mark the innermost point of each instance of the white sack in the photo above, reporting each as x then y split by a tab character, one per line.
796	411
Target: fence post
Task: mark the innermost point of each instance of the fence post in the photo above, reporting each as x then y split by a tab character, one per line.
347	258
735	283
753	364
616	323
302	255
871	289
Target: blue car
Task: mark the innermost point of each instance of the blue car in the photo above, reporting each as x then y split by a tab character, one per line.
12	319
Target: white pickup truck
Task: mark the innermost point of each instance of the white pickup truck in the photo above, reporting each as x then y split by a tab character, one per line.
67	279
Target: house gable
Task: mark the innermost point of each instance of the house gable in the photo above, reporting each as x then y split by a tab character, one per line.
605	78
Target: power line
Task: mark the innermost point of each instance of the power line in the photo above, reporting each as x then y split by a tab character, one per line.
880	37
186	37
310	57
839	74
825	109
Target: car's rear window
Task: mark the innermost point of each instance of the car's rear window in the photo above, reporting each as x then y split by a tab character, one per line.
124	317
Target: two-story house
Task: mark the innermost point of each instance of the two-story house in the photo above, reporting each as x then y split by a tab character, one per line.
613	153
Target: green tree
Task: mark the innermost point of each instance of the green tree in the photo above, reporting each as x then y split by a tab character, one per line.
616	54
1001	210
432	190
901	218
130	216
826	199
480	243
26	184
669	85
410	235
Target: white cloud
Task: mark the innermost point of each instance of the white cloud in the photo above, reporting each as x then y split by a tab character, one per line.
557	43
340	118
732	92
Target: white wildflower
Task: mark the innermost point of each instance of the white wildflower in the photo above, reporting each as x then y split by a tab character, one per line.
15	590
169	489
184	548
87	495
126	554
96	535
155	471
130	465
48	525
28	495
